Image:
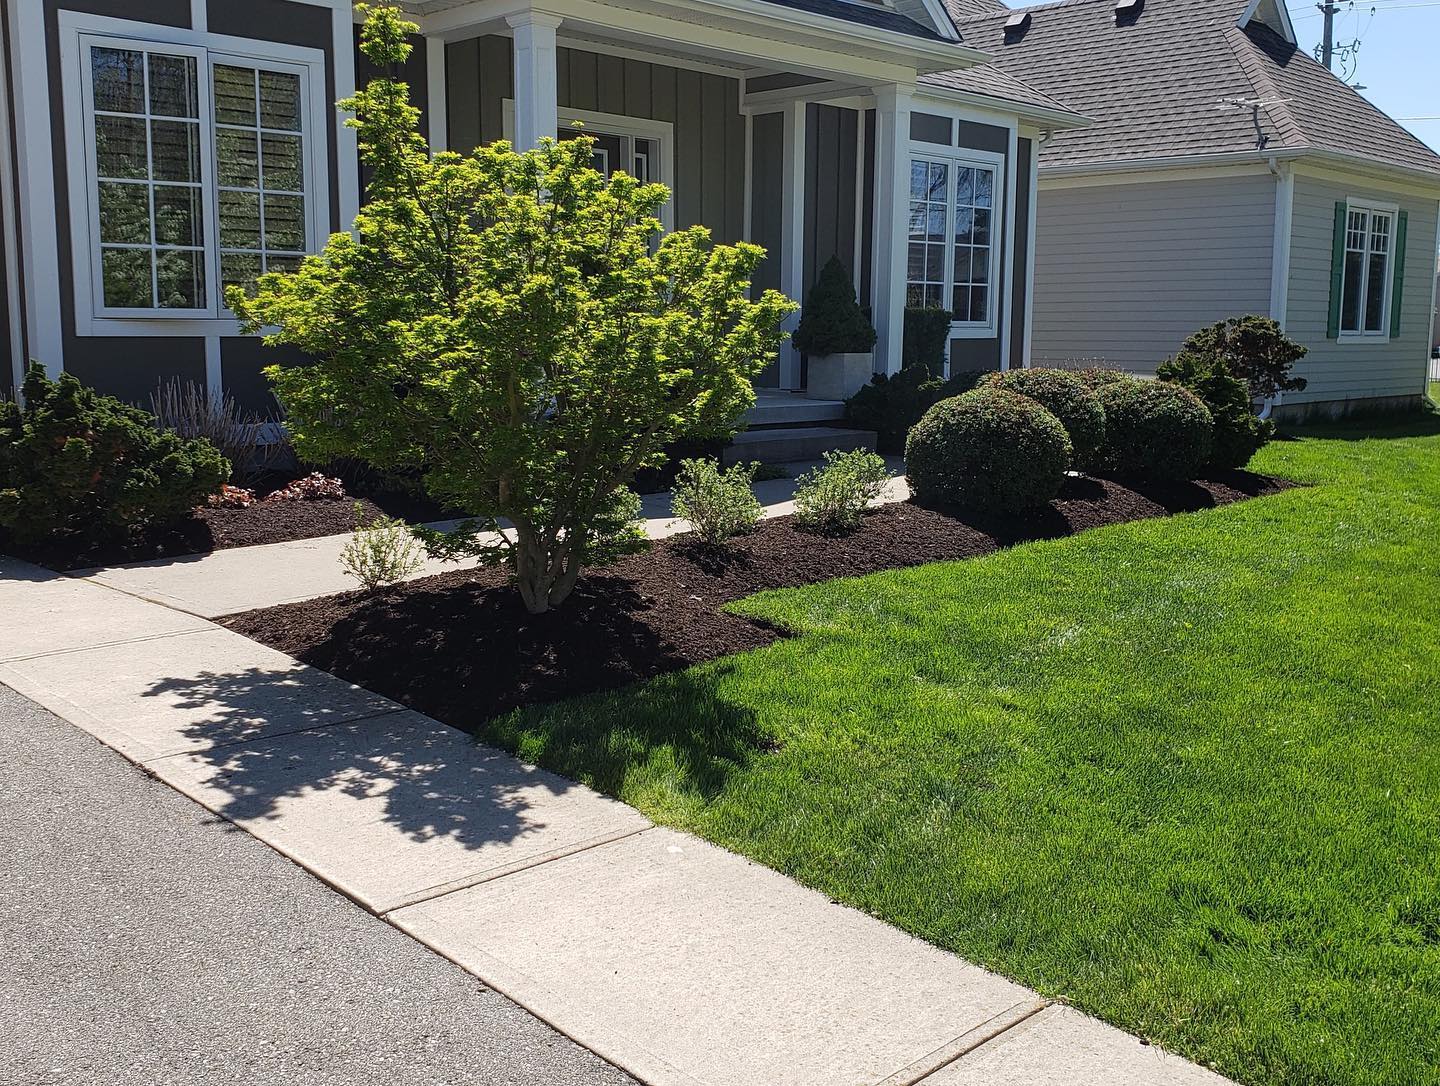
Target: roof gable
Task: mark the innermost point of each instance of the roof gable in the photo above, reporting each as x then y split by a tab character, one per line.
1184	78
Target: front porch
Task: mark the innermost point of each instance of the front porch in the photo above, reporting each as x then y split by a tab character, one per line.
792	130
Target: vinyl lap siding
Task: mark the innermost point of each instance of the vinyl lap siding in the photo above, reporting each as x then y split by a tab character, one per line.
1356	370
1125	272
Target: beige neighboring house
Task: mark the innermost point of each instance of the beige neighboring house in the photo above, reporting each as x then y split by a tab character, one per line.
1225	172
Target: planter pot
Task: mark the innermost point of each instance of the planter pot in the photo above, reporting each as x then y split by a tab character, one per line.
839	376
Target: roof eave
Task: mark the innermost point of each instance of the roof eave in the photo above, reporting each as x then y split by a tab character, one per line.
1234	158
1044	117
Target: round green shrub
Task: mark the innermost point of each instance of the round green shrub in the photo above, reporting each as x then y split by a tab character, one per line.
1155	430
1067	398
990	449
1097	377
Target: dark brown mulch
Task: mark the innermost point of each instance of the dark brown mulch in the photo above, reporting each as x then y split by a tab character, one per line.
461	647
208	530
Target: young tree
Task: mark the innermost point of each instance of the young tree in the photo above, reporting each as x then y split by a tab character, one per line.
513	326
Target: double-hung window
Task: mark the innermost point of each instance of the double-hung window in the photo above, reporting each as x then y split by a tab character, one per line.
199	172
1368	270
954	237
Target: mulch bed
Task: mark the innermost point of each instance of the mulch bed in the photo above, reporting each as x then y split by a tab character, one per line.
462	648
209	530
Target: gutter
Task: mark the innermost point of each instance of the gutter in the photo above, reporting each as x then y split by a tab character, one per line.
1056	118
1267	158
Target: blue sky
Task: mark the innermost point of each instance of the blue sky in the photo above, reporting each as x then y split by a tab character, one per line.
1397	59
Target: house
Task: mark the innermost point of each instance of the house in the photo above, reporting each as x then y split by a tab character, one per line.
1224	172
155	150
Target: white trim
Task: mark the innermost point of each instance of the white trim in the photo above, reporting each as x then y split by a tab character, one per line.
749	209
78	29
858	255
200	15
1310	161
1371	208
347	140
1012	177
437	95
941	18
1280	254
38	238
892	203
1286	27
8	224
635	52
792	225
536	89
1030	242
214	369
1434	302
932	95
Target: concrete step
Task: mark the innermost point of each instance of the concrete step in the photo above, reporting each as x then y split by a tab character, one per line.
788	409
777	446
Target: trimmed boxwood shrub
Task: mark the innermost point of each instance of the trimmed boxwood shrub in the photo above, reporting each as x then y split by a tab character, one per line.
1097	377
926	338
1155	430
990	449
1239	432
1067	398
81	466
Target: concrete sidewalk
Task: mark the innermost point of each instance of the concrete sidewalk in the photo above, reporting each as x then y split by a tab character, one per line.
248	578
676	961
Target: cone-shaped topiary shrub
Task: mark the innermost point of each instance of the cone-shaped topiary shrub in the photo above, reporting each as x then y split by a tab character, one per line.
1155	430
989	449
832	321
1066	397
80	466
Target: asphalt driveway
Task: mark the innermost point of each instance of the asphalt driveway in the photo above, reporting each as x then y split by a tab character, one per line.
145	941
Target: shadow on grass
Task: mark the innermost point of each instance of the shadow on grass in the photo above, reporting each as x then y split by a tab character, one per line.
1424	422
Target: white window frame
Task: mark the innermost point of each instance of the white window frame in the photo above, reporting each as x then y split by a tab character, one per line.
616	124
78	32
1370	208
969	158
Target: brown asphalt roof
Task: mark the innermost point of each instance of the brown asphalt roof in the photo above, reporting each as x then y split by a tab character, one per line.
1158	88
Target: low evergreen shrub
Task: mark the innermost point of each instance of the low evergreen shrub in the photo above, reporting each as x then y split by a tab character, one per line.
383	552
891	404
1155	430
832	321
718	504
926	338
1239	433
1066	397
79	466
831	499
990	449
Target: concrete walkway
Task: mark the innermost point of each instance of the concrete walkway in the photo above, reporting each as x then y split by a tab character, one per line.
674	960
248	578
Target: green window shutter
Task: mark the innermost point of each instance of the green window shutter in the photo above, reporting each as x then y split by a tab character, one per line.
1397	291
1337	270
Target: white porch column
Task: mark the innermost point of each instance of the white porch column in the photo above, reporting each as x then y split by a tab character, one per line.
892	223
792	225
437	94
537	100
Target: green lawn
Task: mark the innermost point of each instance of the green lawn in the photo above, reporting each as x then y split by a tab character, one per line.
1183	774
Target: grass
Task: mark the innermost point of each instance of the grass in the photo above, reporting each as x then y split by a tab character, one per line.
1183	774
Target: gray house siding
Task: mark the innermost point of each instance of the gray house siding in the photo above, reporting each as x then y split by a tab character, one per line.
984	354
1125	272
1337	370
1024	158
831	136
767	179
709	151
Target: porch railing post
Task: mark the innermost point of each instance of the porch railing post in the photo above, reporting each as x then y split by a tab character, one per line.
892	212
536	93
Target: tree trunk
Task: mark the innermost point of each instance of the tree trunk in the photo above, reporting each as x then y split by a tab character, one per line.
532	572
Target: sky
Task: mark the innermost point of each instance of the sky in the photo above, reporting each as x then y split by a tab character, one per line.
1397	58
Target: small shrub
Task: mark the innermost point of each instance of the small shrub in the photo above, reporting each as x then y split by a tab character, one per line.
311	488
1252	348
189	409
1097	377
926	338
1155	430
829	500
891	404
85	467
383	552
990	449
832	321
1238	432
232	497
764	473
1066	397
718	504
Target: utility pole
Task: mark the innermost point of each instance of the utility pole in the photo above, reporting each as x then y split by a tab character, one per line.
1327	48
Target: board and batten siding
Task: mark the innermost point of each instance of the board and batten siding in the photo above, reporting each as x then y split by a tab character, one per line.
1357	370
1125	272
709	151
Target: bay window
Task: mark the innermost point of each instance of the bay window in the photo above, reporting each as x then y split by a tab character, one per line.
193	170
954	240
